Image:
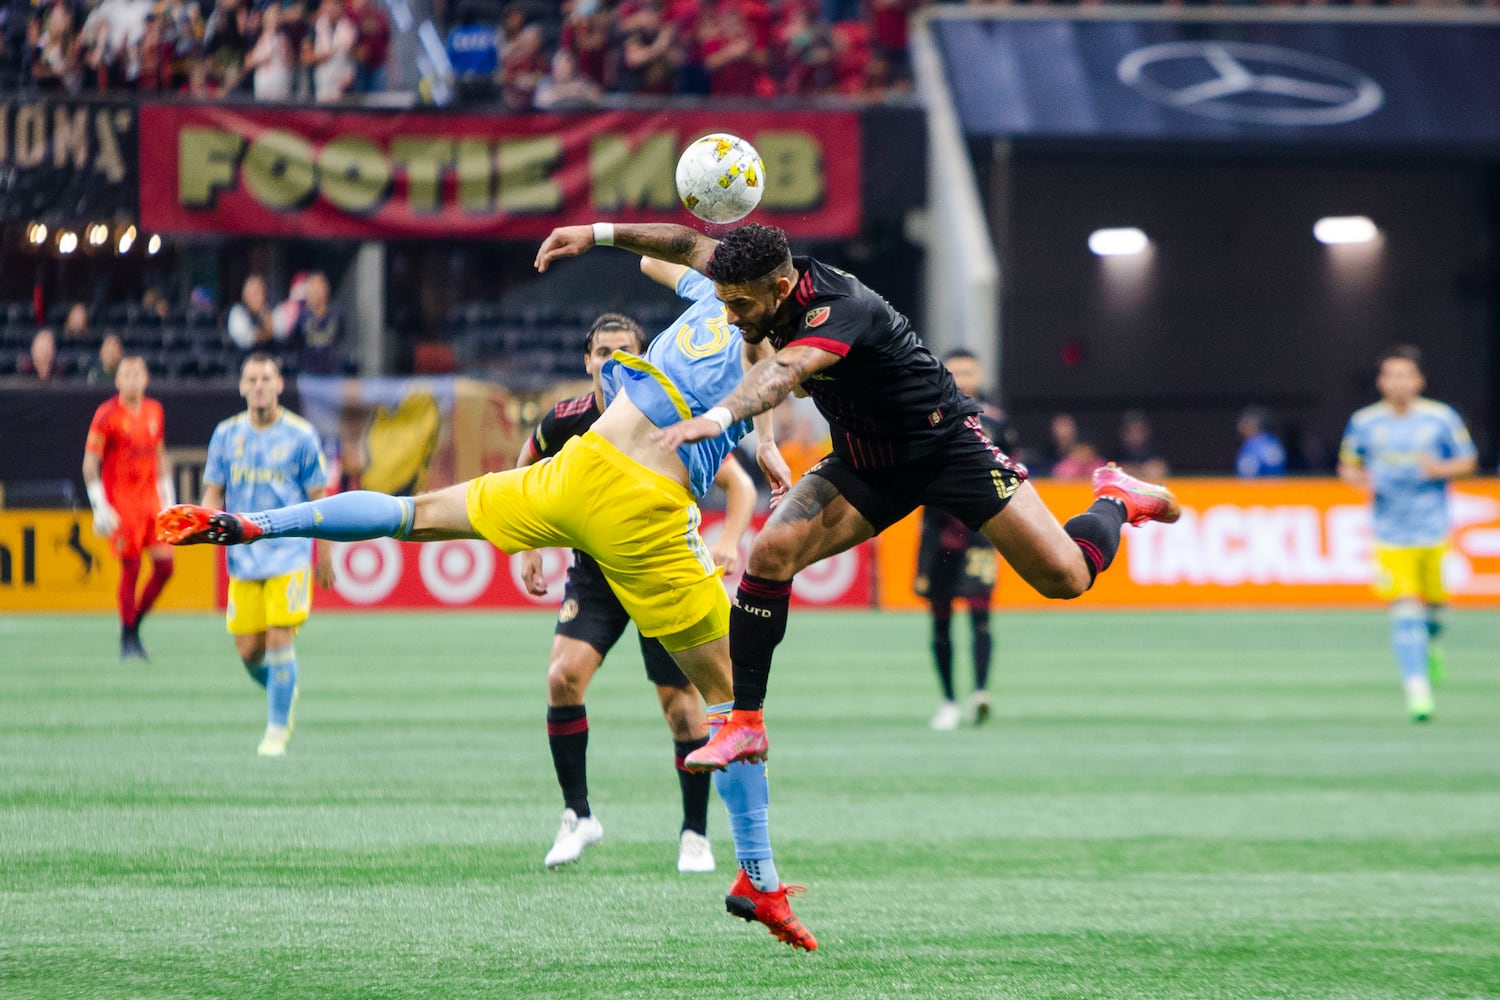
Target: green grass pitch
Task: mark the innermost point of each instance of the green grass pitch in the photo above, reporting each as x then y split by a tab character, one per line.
1163	806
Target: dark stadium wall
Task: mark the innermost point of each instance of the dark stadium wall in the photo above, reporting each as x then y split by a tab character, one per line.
1236	302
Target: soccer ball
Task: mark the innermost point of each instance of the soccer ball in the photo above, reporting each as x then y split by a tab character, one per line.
720	178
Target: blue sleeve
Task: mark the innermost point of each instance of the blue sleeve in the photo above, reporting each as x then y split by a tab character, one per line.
215	469
695	287
1456	441
1352	449
313	473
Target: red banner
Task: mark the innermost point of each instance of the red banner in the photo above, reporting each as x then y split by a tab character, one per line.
384	574
362	174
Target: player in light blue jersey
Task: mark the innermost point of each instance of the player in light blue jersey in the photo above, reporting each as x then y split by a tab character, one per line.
1405	449
268	457
616	494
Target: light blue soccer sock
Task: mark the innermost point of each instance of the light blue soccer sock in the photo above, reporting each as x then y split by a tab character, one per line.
343	517
1409	639
257	671
747	796
281	684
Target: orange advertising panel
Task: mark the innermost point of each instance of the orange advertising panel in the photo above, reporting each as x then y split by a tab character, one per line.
51	560
1285	543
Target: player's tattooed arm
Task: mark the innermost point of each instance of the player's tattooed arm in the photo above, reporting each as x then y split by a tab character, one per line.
772	379
666	241
672	243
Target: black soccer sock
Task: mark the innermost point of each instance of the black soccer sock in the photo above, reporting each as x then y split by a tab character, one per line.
942	649
1097	533
568	736
757	624
979	620
694	785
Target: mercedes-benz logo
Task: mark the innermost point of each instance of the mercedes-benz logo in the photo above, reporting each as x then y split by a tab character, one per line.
1243	82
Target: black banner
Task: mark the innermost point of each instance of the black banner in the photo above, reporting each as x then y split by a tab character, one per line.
1237	79
67	162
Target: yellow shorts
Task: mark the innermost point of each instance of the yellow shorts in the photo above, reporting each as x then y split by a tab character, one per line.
1403	571
280	602
640	526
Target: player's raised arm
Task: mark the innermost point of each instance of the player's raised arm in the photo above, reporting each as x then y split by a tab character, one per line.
739	505
676	244
662	272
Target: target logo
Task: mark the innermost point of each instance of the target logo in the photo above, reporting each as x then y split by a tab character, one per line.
827	581
555	563
367	572
457	572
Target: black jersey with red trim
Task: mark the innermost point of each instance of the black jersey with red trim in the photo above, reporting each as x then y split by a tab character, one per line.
886	399
568	419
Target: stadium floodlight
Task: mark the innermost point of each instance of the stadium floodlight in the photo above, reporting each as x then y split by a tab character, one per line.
1334	229
126	241
36	233
98	234
153	245
1118	242
67	241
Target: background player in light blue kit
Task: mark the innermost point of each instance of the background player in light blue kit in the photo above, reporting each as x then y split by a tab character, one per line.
1404	449
262	458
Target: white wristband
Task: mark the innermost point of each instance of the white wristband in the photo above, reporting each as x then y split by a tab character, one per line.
97	498
165	491
721	416
604	234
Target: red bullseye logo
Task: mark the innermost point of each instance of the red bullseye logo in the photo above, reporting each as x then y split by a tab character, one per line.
457	572
367	572
827	581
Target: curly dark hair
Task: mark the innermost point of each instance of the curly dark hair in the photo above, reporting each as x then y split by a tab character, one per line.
748	253
615	321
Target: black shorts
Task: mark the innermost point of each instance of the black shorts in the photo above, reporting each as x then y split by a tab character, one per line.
967	573
964	474
592	613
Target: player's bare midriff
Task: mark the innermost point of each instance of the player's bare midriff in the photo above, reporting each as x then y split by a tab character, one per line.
623	425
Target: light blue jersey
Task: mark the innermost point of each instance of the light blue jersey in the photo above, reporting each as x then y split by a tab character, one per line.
689	367
260	469
1410	509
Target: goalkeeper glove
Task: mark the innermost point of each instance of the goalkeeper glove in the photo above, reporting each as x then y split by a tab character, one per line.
105	518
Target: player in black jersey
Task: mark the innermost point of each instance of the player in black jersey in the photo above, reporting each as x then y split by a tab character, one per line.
903	435
592	620
955	562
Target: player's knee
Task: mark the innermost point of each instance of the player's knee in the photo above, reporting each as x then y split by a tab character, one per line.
775	555
1063	583
566	681
679	706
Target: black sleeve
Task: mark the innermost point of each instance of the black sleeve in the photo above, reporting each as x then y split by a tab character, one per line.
548	437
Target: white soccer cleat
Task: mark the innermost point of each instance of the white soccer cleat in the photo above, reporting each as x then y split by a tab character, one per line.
977	708
572	837
694	853
947	717
273	743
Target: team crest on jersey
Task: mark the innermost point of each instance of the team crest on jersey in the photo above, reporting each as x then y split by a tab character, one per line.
816	317
568	611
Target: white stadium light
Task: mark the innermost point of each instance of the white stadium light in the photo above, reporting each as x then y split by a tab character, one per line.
98	234
126	241
67	241
36	233
153	245
1333	229
1118	242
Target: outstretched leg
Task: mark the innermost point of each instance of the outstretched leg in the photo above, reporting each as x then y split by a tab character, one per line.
344	517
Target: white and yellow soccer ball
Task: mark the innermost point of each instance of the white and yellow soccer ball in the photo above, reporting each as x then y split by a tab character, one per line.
720	178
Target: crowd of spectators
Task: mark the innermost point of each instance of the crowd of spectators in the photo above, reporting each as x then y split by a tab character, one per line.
546	58
307	332
282	50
